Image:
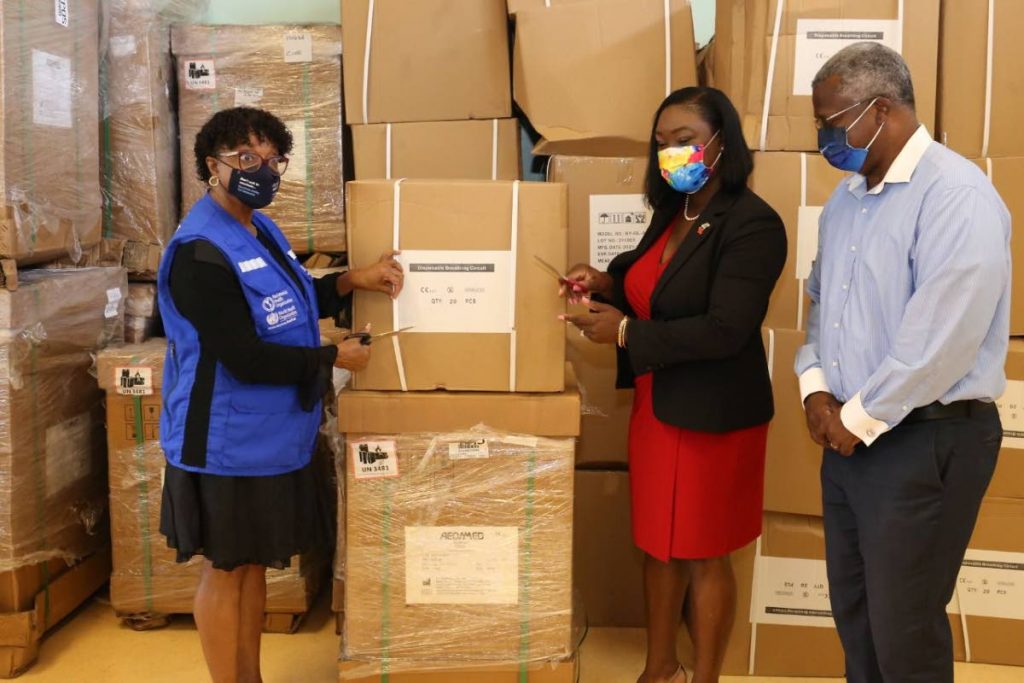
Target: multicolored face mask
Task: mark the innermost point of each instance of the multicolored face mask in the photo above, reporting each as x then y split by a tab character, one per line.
683	168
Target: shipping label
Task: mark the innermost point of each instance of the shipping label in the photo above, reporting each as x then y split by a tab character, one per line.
62	13
200	74
113	307
298	47
248	97
457	291
991	584
791	592
134	381
617	223
374	459
123	46
448	565
298	161
1011	413
52	89
68	452
808	218
817	40
469	450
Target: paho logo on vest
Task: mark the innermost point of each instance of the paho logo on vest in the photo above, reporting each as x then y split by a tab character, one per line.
281	310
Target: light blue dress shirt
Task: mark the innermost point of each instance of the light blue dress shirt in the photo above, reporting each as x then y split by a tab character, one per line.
910	291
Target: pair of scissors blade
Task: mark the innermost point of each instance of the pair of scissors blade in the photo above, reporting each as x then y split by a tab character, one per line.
392	332
573	285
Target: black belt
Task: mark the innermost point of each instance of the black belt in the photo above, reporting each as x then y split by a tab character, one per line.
938	411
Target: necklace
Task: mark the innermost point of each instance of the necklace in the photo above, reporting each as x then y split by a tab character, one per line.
686	208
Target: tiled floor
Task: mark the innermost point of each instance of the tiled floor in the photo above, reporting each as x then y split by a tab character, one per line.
92	647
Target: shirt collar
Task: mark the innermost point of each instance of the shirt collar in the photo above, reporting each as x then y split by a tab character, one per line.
902	168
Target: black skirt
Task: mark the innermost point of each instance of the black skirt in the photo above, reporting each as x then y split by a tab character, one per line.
234	521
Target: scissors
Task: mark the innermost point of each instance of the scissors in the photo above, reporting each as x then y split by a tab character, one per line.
365	338
573	285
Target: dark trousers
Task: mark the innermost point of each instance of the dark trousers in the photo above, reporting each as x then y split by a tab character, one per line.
898	517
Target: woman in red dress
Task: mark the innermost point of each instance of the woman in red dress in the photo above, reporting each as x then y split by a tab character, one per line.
685	309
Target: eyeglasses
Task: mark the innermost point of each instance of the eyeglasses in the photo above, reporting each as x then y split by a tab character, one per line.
822	123
250	162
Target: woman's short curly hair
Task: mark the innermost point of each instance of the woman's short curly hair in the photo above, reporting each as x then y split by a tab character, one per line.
233	127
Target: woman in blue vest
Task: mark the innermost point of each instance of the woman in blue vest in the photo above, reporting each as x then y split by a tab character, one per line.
243	382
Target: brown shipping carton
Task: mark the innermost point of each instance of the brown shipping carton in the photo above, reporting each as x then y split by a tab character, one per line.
519	5
52	464
478	150
477	527
809	32
558	671
49	118
979	112
797	186
1008	481
294	72
430	60
1008	177
591	75
476	326
147	579
607	216
608	568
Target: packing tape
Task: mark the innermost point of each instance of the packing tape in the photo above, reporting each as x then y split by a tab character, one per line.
668	47
803	202
366	62
513	346
494	149
395	315
387	154
770	80
986	133
143	489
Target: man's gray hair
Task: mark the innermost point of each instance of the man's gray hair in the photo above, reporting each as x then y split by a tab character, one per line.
868	70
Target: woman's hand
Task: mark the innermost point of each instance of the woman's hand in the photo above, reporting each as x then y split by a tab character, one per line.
600	326
353	355
384	276
585	280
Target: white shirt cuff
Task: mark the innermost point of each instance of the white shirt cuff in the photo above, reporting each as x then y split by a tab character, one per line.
859	423
811	382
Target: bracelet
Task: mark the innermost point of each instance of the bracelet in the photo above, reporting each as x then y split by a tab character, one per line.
622	331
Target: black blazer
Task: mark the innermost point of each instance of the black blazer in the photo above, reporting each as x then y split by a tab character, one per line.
703	342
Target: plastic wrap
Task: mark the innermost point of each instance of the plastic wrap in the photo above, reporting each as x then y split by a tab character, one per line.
49	118
458	551
295	73
140	316
53	496
147	580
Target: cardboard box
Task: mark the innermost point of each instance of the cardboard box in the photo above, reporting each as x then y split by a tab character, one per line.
1008	481
979	110
54	502
140	316
49	118
515	6
432	552
294	72
751	36
479	150
607	216
430	60
590	76
608	567
797	186
565	671
147	579
1008	175
476	326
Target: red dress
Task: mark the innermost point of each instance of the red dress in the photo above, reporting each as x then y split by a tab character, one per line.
695	495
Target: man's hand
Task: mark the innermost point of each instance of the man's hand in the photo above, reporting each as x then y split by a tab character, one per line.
821	408
840	438
601	325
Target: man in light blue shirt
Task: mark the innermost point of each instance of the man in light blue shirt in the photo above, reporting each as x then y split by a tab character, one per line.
906	342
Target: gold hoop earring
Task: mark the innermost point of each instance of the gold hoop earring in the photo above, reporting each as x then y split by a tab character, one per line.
214	181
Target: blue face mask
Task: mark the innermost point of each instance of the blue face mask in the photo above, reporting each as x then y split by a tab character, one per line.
255	189
834	144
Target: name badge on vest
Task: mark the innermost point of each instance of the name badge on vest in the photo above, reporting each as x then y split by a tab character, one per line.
281	310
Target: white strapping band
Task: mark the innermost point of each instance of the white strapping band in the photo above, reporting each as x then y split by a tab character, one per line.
769	82
513	273
387	154
803	202
494	150
668	47
753	608
771	353
986	134
396	240
988	170
366	63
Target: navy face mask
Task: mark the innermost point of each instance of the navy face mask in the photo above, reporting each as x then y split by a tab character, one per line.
834	144
255	189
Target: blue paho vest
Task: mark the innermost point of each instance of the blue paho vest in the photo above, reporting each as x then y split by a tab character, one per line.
255	429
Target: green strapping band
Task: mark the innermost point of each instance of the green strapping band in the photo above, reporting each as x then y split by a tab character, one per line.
140	464
108	152
39	466
385	623
26	136
307	94
78	144
526	575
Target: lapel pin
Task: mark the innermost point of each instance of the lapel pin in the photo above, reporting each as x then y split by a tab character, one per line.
702	229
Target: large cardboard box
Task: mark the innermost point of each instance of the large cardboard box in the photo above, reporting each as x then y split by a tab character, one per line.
1008	176
981	86
797	186
557	671
777	47
608	567
457	531
430	60
1008	481
519	5
147	579
591	75
484	311
49	118
480	150
607	216
294	72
